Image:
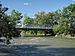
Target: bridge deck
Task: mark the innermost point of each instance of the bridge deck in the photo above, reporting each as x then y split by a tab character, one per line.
35	28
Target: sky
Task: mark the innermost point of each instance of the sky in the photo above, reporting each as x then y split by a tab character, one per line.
30	7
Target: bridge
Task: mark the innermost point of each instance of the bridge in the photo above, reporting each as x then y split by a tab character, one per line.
47	29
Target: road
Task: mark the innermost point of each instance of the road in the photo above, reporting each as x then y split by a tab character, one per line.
40	46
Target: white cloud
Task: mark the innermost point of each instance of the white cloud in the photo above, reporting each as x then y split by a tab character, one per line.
26	4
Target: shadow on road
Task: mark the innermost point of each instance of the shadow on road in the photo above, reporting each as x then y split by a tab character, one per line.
35	50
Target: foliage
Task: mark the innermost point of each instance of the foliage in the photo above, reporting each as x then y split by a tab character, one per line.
66	21
62	21
27	20
14	17
3	21
44	18
8	22
40	17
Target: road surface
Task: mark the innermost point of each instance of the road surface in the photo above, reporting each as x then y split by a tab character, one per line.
36	46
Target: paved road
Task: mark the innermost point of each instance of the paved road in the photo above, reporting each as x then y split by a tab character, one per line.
39	47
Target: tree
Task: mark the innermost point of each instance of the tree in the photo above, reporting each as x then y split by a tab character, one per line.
3	20
8	22
49	18
66	22
40	18
4	23
14	18
28	20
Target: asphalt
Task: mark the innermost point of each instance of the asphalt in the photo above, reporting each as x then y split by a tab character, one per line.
33	46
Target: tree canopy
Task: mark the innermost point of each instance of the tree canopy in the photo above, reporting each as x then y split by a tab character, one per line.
67	21
8	22
62	21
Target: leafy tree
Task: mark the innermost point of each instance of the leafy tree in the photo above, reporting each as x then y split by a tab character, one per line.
14	17
40	18
49	18
44	18
8	22
28	20
4	23
3	19
66	22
